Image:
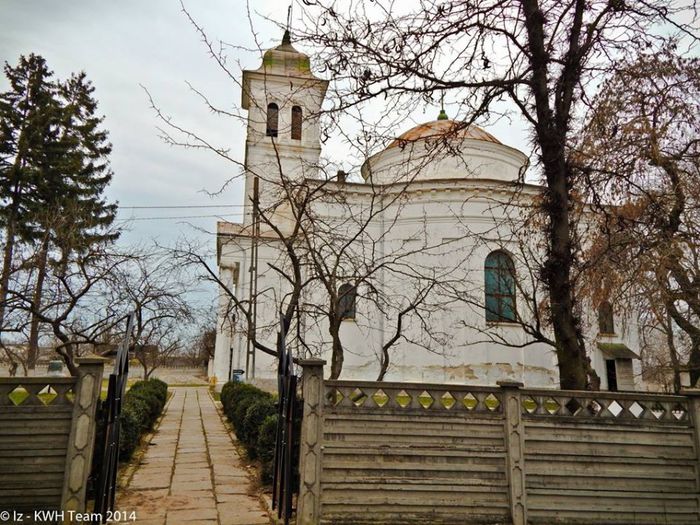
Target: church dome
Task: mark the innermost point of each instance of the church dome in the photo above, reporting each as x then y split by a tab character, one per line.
286	60
445	149
284	77
443	128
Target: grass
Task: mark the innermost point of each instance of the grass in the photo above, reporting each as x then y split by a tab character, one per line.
529	405
105	385
105	382
19	395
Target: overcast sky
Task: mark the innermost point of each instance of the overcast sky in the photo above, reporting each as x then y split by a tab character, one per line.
122	46
128	44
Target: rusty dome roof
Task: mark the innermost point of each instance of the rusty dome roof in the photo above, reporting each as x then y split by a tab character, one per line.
443	128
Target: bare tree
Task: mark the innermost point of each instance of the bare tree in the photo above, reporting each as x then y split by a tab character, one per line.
201	350
641	153
72	308
156	291
543	58
323	262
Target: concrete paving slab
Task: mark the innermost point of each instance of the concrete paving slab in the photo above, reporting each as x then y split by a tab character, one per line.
192	473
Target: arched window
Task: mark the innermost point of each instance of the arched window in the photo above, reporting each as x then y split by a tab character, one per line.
296	122
347	293
273	112
499	284
606	322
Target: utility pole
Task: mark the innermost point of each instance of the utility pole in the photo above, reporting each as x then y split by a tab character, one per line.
253	286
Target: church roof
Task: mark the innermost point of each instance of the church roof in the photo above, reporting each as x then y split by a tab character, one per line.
443	128
286	60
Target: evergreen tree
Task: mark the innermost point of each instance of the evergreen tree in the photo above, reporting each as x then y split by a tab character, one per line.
28	116
64	212
75	172
87	215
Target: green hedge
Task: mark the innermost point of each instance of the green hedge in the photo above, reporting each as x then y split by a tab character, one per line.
246	407
265	448
142	405
253	413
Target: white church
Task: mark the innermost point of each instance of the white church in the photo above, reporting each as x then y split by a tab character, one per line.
428	253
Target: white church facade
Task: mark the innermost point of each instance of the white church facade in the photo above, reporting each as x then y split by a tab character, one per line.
428	252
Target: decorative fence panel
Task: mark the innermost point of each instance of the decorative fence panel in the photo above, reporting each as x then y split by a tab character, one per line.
406	453
609	457
418	453
47	427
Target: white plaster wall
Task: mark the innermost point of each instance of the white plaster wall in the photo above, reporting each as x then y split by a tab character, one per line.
436	214
269	158
460	158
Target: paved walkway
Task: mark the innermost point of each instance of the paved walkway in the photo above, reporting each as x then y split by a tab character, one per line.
191	472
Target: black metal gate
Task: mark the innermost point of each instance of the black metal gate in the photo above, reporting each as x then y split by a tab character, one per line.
288	429
108	459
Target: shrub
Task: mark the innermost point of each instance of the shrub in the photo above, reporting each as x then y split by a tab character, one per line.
226	393
236	398
130	431
266	471
267	433
160	388
148	395
142	405
241	409
253	413
257	412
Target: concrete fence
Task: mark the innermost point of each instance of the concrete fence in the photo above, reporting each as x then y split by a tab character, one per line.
424	453
47	434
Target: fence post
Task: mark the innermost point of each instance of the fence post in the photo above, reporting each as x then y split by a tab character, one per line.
309	499
693	395
515	455
81	441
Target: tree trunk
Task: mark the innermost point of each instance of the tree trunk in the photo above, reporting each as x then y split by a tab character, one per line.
551	129
33	354
6	268
673	353
8	251
66	352
693	333
571	353
694	363
337	357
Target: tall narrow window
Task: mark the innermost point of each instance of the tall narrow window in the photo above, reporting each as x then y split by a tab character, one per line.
296	122
347	294
273	112
606	322
499	284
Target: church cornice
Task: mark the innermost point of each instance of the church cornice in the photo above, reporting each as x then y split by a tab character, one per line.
431	185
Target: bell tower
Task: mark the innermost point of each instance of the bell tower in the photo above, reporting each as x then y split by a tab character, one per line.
283	99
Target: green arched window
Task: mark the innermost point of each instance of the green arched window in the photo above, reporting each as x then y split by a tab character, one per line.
347	295
499	284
